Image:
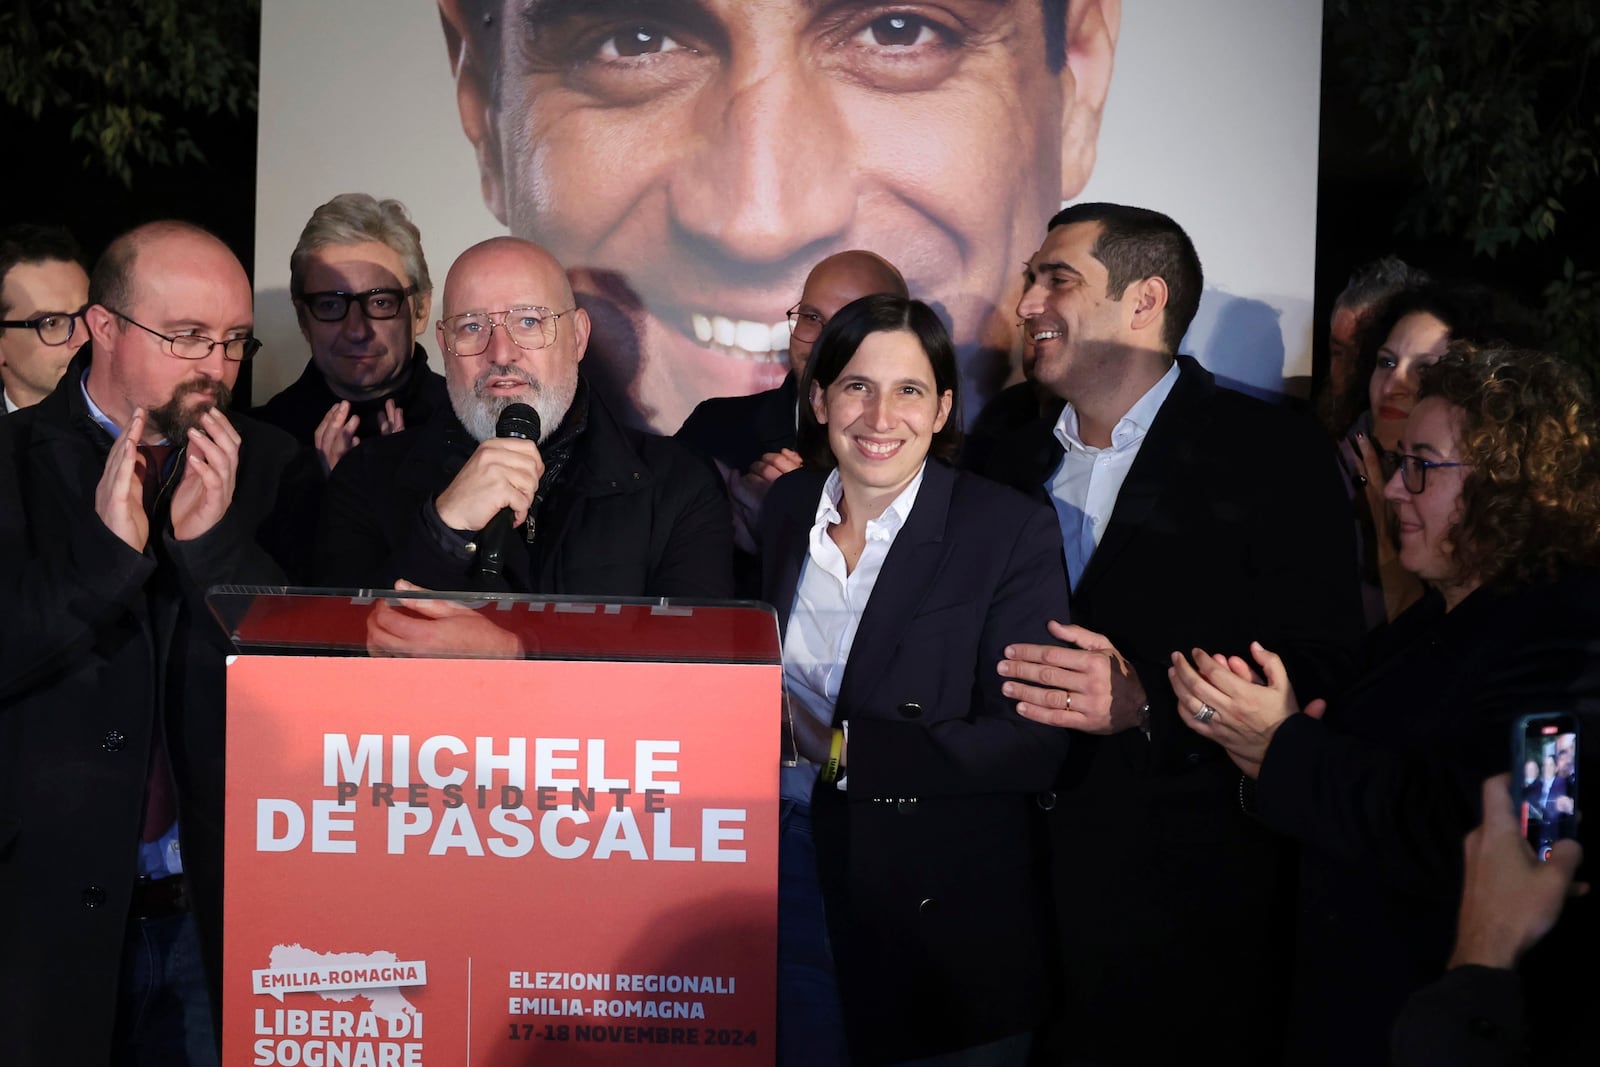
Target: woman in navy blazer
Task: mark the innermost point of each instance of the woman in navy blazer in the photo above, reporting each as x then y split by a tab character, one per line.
926	825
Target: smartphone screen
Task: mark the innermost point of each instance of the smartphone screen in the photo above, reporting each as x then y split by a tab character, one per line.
1544	775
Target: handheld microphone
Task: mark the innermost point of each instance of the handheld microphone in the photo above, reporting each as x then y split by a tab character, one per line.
517	420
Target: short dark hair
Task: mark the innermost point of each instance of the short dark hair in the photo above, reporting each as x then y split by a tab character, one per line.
29	242
1136	243
1530	499
111	281
836	346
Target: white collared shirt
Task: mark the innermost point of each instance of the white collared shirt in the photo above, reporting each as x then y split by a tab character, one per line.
828	603
1085	484
10	407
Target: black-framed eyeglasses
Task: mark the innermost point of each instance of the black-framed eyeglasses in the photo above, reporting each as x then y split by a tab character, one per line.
333	305
804	325
193	346
530	328
53	327
1413	469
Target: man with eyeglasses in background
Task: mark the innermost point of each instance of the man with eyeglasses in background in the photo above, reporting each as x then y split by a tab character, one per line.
43	290
752	438
597	509
362	296
124	495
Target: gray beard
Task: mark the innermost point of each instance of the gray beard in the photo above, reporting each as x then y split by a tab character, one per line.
480	413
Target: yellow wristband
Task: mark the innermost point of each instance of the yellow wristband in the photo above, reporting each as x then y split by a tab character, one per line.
830	770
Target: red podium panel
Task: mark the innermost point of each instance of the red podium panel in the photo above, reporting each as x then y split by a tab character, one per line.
498	862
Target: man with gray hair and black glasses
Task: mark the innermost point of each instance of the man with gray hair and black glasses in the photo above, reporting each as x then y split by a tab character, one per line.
362	296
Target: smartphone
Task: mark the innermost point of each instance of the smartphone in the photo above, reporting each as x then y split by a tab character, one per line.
1544	778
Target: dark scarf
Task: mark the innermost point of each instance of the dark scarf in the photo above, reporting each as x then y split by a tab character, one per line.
558	450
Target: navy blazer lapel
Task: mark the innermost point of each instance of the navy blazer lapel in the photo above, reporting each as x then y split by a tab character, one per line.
793	543
1158	466
909	574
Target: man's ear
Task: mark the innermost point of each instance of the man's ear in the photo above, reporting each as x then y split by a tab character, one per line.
1091	37
580	331
1149	303
474	74
100	323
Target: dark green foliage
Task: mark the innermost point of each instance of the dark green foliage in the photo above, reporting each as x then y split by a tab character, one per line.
1496	105
126	75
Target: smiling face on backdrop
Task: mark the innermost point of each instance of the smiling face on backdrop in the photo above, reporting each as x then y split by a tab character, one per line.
689	161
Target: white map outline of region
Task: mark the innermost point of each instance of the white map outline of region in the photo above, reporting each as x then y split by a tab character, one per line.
387	1001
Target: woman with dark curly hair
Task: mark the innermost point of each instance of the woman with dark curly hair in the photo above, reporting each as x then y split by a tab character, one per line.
1496	496
1408	333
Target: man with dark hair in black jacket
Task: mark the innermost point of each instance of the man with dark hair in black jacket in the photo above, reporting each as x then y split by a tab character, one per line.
43	290
1190	515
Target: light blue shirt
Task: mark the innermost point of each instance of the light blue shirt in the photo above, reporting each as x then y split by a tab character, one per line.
1086	482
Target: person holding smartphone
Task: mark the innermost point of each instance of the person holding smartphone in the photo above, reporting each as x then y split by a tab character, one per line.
1496	495
1474	1016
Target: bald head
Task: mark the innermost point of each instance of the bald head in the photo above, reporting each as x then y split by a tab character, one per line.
510	265
487	281
836	281
115	280
154	283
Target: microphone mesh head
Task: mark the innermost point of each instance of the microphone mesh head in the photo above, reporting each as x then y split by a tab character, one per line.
518	420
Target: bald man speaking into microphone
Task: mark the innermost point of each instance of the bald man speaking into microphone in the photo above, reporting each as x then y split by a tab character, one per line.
533	486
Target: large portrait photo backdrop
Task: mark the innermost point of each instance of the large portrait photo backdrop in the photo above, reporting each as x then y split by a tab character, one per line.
688	161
